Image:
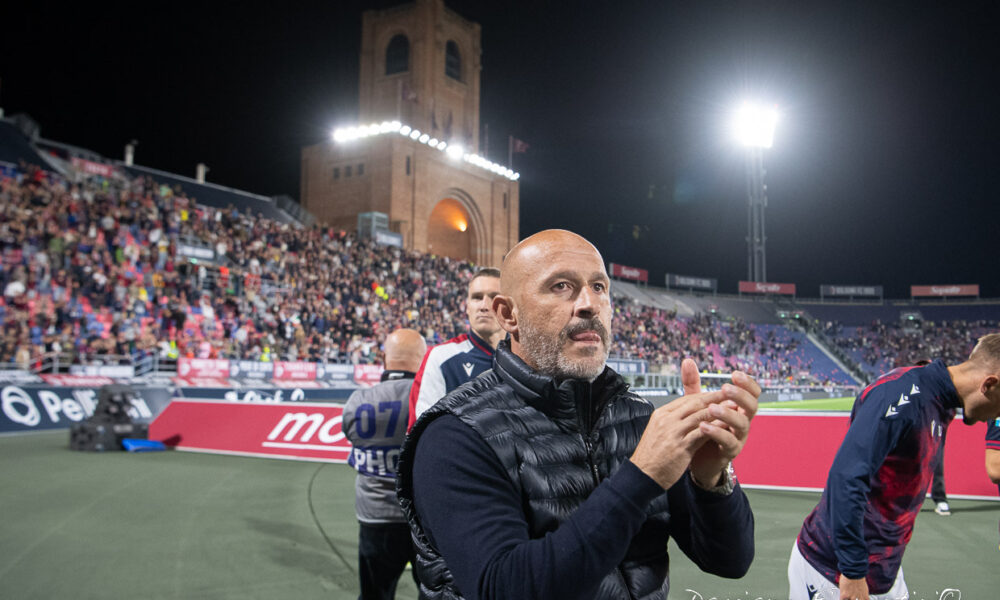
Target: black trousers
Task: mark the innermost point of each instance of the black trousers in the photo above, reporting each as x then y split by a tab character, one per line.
383	551
937	484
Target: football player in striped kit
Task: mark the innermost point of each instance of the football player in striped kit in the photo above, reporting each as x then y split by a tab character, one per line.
851	545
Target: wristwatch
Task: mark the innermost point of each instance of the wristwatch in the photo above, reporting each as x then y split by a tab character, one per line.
723	489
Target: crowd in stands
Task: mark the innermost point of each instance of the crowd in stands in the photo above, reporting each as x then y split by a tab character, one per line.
879	347
716	344
94	269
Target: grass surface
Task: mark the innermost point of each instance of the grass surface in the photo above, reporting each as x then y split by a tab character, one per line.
184	525
843	404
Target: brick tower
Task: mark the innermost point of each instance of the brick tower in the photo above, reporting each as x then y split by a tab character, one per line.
416	155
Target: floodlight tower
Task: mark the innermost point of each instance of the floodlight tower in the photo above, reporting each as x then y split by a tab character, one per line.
754	126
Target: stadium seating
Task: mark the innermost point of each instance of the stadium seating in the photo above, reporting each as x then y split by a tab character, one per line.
97	268
15	147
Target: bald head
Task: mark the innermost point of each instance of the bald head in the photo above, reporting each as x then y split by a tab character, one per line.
404	350
555	304
536	251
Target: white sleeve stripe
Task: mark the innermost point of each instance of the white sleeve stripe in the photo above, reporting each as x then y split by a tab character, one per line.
432	387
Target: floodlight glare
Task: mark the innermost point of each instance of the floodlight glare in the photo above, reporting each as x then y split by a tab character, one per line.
455	151
424	138
433	142
754	125
342	135
405	130
442	145
414	134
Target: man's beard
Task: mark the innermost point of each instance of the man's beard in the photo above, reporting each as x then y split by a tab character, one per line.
547	353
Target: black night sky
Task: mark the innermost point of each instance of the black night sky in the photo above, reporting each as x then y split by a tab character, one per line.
882	171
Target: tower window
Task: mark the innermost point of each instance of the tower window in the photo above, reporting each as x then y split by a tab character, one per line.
347	171
407	165
452	61
336	172
397	55
361	169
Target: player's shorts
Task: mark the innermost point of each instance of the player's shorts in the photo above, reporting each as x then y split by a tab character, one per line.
806	583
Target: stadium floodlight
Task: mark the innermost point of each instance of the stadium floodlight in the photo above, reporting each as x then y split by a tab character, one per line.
345	134
454	151
754	125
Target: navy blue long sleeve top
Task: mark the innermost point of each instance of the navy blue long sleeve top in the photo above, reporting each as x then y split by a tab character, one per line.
475	518
880	476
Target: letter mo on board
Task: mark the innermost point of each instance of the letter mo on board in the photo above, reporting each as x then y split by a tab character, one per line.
302	427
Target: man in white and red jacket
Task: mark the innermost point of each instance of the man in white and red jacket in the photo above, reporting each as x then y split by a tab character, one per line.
462	358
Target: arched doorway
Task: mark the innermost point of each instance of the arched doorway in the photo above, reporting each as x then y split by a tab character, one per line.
452	231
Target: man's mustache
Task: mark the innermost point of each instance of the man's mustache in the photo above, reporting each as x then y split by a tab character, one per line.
592	324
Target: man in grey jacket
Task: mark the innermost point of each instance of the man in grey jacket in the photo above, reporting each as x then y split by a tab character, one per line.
375	423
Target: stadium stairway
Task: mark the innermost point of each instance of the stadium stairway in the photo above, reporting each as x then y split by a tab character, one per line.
847	363
850	370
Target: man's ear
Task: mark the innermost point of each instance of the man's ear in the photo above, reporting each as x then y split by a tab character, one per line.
989	383
503	310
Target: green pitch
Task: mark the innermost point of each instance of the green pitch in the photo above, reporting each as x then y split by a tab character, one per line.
844	404
178	525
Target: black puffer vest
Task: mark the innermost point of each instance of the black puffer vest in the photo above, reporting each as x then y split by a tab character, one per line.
557	443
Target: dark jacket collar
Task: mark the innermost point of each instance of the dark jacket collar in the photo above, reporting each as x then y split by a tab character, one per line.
576	400
480	343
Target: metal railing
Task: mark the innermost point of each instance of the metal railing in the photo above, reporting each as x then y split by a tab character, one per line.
62	362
